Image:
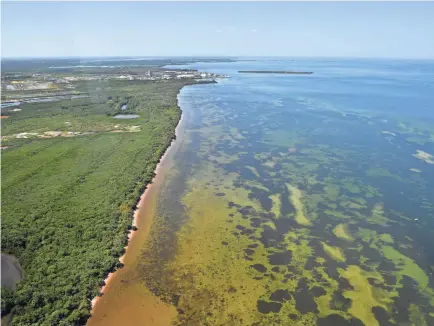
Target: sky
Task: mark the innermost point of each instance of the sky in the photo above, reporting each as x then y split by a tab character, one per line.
313	29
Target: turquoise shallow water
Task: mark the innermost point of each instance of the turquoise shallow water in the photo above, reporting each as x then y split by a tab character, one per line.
321	187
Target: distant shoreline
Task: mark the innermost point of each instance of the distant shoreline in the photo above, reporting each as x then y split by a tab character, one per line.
284	72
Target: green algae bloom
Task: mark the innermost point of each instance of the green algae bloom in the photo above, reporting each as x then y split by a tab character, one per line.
341	231
276	209
295	199
406	266
333	252
387	238
362	296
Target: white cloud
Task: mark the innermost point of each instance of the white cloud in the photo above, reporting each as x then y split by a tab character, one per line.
218	30
253	30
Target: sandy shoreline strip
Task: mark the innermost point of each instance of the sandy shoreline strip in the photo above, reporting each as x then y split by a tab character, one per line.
137	211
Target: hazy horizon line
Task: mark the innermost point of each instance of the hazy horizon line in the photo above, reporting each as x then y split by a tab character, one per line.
147	57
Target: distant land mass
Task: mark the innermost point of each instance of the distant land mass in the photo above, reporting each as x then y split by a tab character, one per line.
285	72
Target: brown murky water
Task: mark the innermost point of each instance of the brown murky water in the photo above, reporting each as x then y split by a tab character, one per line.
126	301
